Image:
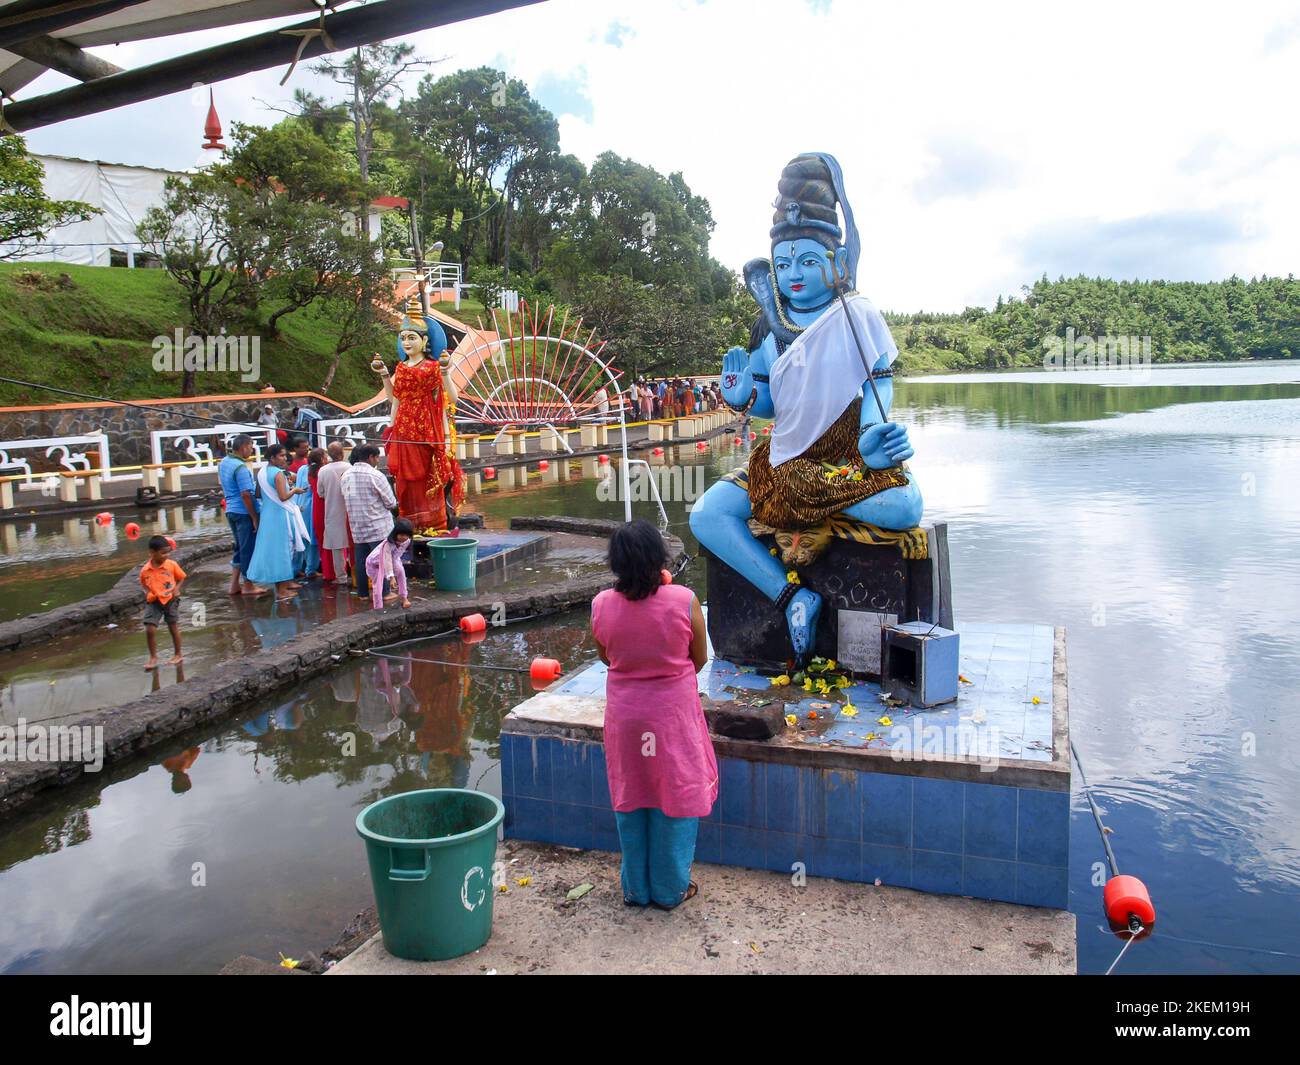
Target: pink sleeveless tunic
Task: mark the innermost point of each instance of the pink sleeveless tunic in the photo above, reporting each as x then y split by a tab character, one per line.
657	748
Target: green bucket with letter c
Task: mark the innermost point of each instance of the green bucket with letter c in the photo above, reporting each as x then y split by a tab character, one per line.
431	854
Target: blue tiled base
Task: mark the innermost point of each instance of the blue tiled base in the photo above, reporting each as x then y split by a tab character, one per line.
947	837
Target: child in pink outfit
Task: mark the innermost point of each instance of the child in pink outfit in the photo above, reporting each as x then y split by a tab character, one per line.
385	563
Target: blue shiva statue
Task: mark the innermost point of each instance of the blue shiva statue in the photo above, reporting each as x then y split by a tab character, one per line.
830	455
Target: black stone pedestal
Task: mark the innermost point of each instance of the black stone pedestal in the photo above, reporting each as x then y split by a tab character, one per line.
746	628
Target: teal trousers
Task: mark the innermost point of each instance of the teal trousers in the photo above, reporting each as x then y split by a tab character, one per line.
657	855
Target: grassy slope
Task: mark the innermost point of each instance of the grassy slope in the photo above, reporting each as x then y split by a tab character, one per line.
95	336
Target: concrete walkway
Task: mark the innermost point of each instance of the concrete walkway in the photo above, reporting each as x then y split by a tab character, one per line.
743	921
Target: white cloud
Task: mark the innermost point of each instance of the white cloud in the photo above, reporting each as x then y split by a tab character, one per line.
966	132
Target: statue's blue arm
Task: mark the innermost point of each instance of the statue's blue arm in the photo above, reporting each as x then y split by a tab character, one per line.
740	372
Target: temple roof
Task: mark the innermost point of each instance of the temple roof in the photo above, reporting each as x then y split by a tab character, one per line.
36	36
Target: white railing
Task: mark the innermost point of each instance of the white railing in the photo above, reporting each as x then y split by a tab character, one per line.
196	445
436	275
59	448
347	431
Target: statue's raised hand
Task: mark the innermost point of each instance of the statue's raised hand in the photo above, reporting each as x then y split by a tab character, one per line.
885	445
737	378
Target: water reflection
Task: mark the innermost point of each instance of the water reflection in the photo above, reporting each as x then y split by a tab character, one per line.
265	806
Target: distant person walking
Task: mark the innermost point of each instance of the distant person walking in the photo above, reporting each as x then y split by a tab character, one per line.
161	579
663	775
370	502
241	511
602	403
281	531
335	540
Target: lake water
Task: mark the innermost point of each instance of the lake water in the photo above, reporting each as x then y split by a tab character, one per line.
1156	520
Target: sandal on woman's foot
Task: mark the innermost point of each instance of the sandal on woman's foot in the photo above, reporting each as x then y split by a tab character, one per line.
692	889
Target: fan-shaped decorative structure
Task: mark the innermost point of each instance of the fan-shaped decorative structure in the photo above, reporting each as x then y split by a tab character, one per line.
535	371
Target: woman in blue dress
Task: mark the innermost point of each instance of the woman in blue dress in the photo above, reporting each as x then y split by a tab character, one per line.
280	530
306	563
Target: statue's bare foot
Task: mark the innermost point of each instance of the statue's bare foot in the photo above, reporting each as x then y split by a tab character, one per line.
801	616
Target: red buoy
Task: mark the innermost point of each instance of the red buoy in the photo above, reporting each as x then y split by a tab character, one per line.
701	446
1126	896
132	530
489	472
170	542
543	466
104	518
753	436
604	461
736	441
473	623
544	670
657	451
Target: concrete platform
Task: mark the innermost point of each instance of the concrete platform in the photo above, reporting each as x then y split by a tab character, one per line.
969	799
743	921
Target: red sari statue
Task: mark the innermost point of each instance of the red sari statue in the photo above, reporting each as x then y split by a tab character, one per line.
419	440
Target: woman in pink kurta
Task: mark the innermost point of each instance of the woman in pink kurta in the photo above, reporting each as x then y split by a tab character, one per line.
663	775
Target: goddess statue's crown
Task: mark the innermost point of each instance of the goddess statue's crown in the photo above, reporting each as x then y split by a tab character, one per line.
413	321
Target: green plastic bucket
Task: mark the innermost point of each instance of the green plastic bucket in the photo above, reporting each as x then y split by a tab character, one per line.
431	854
455	563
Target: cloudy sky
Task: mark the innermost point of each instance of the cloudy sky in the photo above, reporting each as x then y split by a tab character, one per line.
983	144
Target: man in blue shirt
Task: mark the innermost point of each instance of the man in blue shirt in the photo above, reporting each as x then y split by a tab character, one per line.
241	511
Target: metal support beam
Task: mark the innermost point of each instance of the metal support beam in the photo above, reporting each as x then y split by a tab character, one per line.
347	29
65	58
25	19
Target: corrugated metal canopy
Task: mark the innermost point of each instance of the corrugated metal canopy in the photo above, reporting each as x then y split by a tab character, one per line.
40	35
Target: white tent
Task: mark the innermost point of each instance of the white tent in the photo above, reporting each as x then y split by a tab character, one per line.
123	193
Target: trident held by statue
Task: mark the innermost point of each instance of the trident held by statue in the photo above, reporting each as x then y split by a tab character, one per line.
838	280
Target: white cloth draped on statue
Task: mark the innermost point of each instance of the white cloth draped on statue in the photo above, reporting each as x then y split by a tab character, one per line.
821	373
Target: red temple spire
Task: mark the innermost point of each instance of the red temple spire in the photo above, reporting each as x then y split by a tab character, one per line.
212	127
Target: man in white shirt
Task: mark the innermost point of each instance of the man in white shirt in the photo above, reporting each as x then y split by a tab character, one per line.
370	502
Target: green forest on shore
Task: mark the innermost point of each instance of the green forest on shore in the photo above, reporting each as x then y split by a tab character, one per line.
90	329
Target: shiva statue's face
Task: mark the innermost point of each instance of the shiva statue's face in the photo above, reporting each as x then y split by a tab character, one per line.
802	271
413	343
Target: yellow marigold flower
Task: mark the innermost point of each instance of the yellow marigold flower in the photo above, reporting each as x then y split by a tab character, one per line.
884	721
791	720
849	710
830	663
841	682
524	881
792	577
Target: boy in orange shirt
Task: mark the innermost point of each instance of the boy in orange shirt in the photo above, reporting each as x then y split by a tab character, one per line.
161	579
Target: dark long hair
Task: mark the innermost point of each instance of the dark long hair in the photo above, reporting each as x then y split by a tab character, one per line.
637	555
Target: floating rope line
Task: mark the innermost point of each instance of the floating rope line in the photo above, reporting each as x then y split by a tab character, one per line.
1096	814
1127	943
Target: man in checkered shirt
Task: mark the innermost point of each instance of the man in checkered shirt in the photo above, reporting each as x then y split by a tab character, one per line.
370	503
